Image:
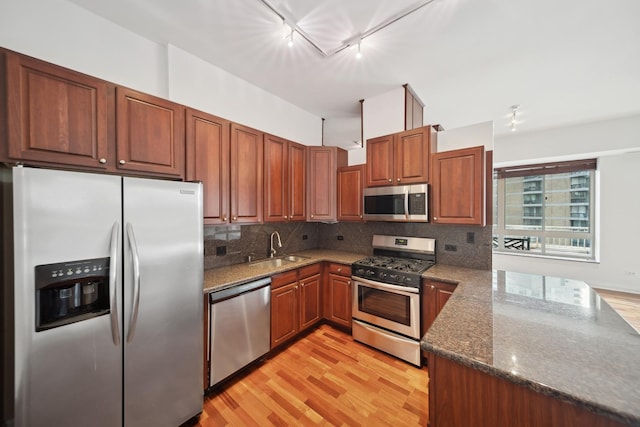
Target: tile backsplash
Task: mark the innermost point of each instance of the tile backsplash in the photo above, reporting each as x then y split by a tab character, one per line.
466	246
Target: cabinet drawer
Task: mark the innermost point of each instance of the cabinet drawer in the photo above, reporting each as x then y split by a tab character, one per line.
341	269
285	278
309	270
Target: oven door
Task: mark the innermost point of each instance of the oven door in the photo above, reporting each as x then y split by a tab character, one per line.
396	308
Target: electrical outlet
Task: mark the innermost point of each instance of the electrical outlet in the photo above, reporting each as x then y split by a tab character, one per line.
340	237
631	273
451	248
221	250
471	237
305	237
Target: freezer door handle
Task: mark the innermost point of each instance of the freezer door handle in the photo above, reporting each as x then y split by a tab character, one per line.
113	274
136	281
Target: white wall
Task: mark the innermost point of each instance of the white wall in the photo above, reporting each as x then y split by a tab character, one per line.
467	136
616	143
60	32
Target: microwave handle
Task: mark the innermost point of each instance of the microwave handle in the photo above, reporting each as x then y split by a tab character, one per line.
406	202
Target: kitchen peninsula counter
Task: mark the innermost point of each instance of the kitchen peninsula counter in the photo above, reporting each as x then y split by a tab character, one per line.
519	344
224	277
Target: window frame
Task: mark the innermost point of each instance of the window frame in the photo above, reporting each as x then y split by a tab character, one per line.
502	233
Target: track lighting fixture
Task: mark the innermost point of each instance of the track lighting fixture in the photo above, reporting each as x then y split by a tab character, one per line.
358	53
514	109
290	38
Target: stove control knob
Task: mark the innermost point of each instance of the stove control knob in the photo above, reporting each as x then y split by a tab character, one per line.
382	275
371	273
393	276
360	271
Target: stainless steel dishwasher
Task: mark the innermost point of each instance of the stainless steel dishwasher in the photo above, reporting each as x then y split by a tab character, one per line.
239	327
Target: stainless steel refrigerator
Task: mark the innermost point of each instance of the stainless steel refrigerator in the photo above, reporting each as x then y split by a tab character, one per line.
102	311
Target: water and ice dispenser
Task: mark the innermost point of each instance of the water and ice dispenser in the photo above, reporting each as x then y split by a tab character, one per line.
69	292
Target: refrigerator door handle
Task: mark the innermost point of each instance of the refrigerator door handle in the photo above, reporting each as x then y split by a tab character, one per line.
113	274
136	281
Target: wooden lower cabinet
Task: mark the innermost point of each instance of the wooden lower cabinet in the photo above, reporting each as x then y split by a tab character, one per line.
338	295
295	302
463	396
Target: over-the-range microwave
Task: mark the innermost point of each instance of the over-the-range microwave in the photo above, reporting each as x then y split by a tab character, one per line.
408	203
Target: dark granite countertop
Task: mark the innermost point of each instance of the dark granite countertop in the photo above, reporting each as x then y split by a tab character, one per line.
555	336
224	277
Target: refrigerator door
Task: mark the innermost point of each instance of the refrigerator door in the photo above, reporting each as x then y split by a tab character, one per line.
163	293
68	375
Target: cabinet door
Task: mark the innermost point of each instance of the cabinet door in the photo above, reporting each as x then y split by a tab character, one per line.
55	115
284	313
458	186
246	175
297	182
350	189
208	161
340	300
434	296
380	161
322	174
150	134
310	311
411	156
276	179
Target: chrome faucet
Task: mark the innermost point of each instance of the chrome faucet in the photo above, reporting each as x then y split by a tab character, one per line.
272	252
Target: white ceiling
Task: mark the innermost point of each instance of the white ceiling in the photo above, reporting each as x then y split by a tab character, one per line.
564	62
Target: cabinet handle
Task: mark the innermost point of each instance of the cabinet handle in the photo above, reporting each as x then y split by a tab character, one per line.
433	287
286	217
339	269
435	218
224	218
103	160
122	162
390	179
234	218
311	216
398	179
349	282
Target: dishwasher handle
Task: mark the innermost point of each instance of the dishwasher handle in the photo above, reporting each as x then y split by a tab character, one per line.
234	291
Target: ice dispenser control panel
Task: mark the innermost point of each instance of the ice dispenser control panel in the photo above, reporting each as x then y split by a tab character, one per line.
69	292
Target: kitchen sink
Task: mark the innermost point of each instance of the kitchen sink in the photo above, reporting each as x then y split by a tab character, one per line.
279	262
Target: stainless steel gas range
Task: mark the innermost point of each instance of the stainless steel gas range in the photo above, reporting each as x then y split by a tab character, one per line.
386	294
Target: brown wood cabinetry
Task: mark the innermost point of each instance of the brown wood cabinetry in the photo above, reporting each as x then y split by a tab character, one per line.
208	161
55	116
284	180
350	189
246	163
295	302
338	294
434	296
322	188
150	134
458	187
401	158
463	396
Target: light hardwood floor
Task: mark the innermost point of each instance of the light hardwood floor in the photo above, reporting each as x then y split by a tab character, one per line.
325	378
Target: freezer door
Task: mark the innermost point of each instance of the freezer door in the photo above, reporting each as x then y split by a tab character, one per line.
163	294
68	375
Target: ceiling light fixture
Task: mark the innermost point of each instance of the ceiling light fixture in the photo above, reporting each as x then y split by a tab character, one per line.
358	53
290	38
514	109
348	42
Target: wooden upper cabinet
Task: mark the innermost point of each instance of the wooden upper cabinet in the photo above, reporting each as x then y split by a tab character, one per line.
150	134
208	161
246	165
322	176
457	187
284	180
412	151
55	115
297	182
350	192
380	161
401	158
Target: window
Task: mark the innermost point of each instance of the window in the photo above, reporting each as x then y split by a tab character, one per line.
546	209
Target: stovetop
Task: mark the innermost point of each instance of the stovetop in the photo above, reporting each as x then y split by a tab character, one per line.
397	271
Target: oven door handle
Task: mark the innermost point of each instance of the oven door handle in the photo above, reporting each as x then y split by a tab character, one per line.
386	286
